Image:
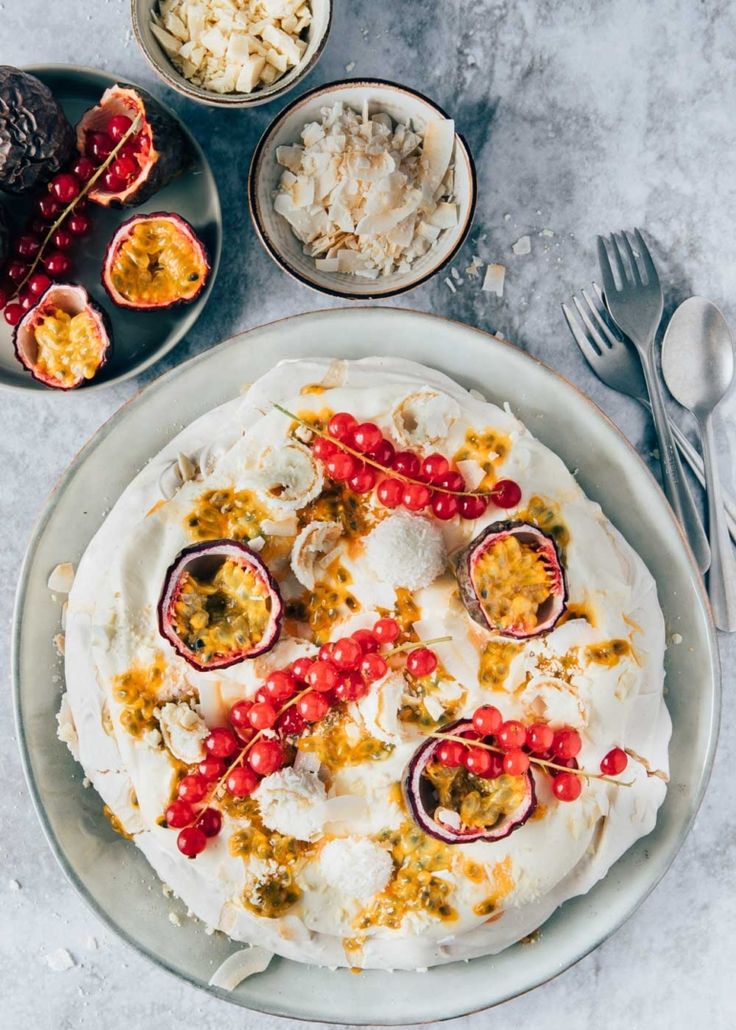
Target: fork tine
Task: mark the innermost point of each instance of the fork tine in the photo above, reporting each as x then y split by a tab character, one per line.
589	325
619	260
609	286
632	258
585	344
610	337
652	277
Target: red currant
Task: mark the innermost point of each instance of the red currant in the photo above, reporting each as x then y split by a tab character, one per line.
325	652
221	742
84	169
511	734
472	506
212	768
342	466
57	263
27	300
210	822
262	715
313	706
452	481
363	481
515	762
118	125
416	496
266	756
421	662
406	463
37	227
98	146
434	467
351	687
539	737
487	720
193	788
566	786
38	284
65	187
386	631
367	641
242	780
444	506
324	448
125	167
239	713
3	297
366	437
17	271
301	667
48	207
567	743
280	686
495	769
506	493
373	667
383	453
13	314
179	814
62	239
79	224
27	245
390	492
191	841
113	183
614	762
477	760
347	653
341	425
451	753
290	722
322	676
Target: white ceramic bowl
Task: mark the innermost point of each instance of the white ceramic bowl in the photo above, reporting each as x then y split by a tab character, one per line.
402	104
141	11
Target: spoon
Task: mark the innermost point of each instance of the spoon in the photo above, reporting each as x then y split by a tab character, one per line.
698	368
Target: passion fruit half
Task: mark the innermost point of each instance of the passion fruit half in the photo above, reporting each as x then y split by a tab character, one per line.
219	605
147	161
65	339
155	261
458	807
511	580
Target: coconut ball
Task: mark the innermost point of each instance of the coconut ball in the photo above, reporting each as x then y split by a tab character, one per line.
356	866
406	551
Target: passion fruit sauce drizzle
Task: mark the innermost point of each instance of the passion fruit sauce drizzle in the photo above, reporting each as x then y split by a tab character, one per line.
135	125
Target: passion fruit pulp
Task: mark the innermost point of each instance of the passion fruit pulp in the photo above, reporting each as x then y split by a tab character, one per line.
155	261
151	157
65	339
219	605
511	580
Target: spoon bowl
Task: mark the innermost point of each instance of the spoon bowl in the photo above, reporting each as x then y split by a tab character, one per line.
697	356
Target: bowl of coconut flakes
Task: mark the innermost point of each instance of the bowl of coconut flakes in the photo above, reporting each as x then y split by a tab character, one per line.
362	189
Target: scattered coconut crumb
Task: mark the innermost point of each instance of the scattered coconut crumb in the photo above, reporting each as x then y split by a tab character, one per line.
59	644
350	67
473	269
494	279
450	284
91	944
13	885
60	960
676	638
522	246
166	890
546	232
61	578
175	918
209	930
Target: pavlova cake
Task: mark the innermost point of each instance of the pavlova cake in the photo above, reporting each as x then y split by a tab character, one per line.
364	674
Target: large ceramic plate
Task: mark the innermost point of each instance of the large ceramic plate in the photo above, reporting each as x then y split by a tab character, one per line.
139	337
114	877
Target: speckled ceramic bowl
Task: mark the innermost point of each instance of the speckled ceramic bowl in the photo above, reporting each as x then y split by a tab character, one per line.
401	104
140	12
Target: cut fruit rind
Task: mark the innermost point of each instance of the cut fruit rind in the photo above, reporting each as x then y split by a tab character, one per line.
159	147
155	261
65	339
511	580
457	807
219	605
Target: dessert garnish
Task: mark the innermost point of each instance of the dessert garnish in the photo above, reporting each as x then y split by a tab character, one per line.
154	261
511	580
358	454
219	605
65	339
36	139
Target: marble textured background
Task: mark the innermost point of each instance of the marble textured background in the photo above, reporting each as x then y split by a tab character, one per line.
583	117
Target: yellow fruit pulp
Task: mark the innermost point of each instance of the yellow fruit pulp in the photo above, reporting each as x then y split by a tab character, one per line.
158	264
480	803
68	346
512	580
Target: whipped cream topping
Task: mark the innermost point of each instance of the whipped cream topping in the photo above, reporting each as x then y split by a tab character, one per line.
112	632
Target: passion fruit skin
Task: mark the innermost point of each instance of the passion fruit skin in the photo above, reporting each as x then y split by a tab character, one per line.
462	564
4	235
415	806
44	301
36	139
171	152
120	236
215	549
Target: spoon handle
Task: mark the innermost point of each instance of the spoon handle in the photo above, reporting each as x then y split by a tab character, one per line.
695	463
722	574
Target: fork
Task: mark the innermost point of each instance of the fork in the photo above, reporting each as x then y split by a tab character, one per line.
616	364
635	305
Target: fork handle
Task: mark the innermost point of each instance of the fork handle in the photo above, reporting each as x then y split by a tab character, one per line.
675	485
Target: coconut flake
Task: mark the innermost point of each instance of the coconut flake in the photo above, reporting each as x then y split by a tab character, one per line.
60	960
61	579
314	542
239	966
494	279
522	247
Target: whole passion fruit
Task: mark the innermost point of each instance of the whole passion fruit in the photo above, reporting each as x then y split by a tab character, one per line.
151	157
511	580
155	261
219	605
4	235
458	807
65	339
36	139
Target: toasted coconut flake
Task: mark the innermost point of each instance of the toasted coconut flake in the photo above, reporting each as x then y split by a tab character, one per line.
424	418
61	578
288	476
312	544
239	966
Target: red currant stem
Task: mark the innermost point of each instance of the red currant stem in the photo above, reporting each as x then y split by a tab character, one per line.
469	742
659	773
73	203
412	645
377	465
